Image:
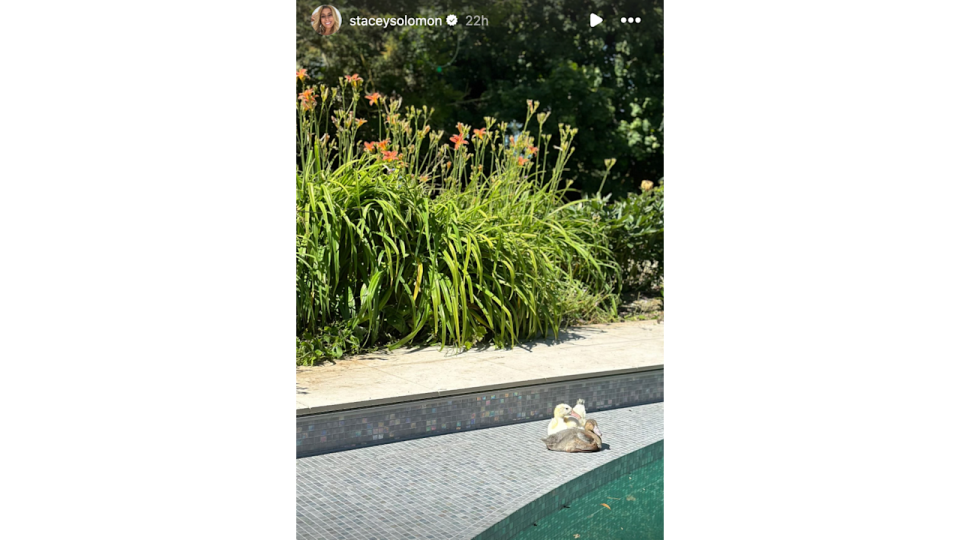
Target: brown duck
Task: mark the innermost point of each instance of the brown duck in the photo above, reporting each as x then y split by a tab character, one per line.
586	439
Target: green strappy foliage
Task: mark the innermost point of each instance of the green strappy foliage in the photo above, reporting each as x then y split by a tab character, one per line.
420	236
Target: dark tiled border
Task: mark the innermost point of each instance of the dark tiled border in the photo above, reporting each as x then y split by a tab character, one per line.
564	494
477	389
342	430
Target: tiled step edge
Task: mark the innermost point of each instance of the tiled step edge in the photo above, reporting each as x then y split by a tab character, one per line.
339	430
472	390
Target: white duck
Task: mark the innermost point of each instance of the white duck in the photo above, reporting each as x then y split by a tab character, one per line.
564	417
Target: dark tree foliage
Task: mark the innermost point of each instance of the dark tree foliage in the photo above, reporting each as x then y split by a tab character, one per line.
607	81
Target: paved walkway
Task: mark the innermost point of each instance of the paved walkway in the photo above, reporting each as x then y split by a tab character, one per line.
451	486
421	373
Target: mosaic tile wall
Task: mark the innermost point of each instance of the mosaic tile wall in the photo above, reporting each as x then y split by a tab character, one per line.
342	430
564	494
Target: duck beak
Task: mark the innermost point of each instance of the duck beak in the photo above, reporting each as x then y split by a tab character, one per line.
575	415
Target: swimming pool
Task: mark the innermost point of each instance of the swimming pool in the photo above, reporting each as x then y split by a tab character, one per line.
628	507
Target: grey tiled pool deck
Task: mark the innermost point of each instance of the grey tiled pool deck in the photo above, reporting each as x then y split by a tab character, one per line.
452	486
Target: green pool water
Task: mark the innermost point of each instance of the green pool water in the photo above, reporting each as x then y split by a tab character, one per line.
636	511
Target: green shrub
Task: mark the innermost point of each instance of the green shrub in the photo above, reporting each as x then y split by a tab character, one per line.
330	342
409	239
634	227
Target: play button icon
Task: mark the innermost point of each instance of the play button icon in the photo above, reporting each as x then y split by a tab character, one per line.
594	20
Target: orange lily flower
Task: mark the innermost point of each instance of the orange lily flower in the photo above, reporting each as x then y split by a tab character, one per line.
308	99
523	161
354	79
479	133
458	140
360	122
302	74
369	146
390	156
373	97
532	150
383	144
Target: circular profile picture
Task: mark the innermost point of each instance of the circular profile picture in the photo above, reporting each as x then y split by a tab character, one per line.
325	20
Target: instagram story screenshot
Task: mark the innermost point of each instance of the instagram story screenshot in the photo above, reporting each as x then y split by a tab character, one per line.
480	272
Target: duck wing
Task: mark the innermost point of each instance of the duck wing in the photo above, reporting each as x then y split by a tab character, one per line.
552	439
583	437
557	425
584	442
558	441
